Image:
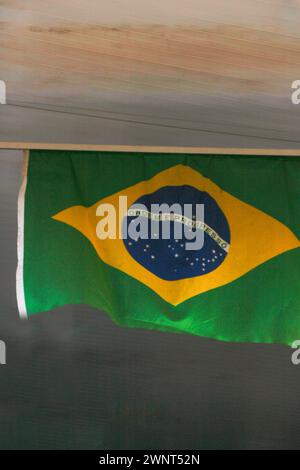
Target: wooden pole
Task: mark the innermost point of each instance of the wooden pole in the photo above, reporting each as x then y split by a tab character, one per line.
150	149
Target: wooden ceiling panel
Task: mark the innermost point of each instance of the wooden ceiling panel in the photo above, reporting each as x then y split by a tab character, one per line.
208	63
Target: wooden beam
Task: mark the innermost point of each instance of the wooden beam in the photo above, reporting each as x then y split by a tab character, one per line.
150	149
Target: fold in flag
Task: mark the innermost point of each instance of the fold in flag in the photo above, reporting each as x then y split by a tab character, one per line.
88	233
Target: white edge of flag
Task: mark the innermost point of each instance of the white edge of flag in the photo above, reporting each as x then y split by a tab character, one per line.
20	242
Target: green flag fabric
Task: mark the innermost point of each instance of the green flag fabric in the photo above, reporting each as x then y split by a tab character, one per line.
200	244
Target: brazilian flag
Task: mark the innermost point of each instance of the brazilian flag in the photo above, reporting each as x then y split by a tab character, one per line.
80	241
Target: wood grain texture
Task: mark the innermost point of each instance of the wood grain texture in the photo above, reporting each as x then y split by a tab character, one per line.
118	71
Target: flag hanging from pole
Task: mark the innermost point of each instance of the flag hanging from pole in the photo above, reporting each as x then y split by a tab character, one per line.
201	244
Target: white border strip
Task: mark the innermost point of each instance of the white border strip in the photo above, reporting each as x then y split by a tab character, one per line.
20	242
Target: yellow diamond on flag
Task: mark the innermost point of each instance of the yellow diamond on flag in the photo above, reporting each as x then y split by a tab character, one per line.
246	238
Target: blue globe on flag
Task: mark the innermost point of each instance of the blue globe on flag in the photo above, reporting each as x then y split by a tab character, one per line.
171	258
